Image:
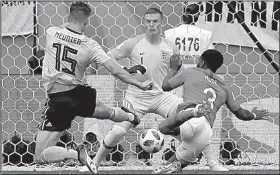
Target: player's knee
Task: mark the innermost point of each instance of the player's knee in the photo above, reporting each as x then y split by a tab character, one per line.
163	128
119	130
183	116
103	112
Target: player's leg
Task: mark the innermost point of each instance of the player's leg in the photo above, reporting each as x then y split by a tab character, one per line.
47	136
50	130
203	134
176	163
61	110
195	135
166	104
110	141
185	155
45	140
126	118
119	130
117	133
115	114
170	126
92	107
212	162
187	110
200	141
194	138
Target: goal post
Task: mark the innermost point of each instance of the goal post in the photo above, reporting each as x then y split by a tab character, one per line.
247	71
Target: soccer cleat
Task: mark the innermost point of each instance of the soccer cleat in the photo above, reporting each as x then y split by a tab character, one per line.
127	107
172	168
202	109
84	158
218	168
94	167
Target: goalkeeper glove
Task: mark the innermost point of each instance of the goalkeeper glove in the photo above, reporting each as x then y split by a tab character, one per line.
136	69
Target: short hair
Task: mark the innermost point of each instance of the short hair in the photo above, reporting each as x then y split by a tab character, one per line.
213	58
191	13
154	10
80	10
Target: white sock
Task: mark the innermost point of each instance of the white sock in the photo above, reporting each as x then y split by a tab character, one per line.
109	142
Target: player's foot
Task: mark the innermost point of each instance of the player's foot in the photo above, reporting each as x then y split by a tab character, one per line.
127	107
218	168
84	158
94	167
202	109
174	167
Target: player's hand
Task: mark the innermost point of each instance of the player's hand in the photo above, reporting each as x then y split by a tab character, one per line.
260	114
175	62
136	69
146	85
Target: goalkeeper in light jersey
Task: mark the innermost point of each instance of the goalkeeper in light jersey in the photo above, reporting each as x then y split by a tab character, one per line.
153	51
201	85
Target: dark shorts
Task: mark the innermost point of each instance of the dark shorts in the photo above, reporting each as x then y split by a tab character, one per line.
62	108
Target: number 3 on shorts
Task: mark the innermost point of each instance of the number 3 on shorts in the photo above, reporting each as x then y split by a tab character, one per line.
213	98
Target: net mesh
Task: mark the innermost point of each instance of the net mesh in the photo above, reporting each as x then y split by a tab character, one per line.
246	70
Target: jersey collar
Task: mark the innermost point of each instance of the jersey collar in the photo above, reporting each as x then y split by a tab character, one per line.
74	31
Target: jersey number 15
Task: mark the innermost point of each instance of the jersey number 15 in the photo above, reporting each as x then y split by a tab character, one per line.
65	50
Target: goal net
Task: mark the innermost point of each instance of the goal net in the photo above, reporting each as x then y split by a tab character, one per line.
247	71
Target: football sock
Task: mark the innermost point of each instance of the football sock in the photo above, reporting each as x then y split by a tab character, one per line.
109	142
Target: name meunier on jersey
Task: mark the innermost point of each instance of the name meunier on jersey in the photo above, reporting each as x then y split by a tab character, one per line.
68	38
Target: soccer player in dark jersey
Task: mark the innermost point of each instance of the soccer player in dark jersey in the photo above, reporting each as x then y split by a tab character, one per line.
201	85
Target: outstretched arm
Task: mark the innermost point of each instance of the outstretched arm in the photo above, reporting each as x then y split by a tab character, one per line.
114	67
244	114
97	55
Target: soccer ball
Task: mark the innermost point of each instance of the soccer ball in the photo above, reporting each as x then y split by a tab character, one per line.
151	140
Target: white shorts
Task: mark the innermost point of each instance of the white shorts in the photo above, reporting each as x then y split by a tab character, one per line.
164	104
195	136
